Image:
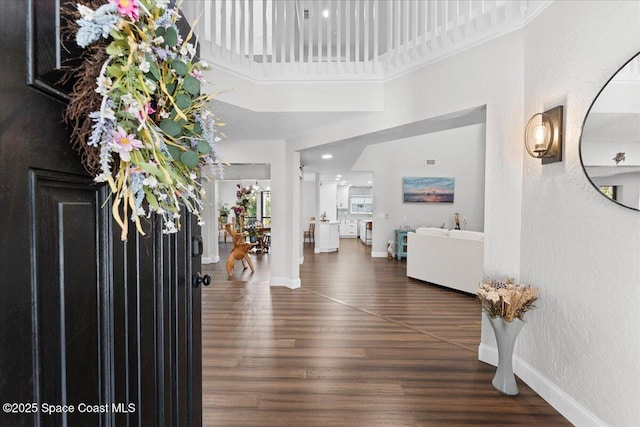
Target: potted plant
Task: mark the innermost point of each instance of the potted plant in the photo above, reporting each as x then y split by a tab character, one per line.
505	303
223	212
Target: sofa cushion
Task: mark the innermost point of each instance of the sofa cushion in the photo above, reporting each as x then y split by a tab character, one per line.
432	231
467	234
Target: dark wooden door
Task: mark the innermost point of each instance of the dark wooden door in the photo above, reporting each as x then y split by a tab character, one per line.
109	329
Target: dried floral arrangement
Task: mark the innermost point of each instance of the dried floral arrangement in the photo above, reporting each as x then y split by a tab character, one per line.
506	299
139	119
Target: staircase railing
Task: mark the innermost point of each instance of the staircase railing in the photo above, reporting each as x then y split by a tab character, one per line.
344	39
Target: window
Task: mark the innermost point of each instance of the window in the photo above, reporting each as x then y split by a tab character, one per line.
611	191
361	204
265	203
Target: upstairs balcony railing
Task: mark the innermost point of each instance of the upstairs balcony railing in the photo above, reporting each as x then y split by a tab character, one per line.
344	39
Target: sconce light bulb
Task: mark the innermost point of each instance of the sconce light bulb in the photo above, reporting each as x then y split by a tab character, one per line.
539	137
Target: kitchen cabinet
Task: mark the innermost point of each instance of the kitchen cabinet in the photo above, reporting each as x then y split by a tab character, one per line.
349	228
343	197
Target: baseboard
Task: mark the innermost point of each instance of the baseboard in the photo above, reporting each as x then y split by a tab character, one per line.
563	403
301	260
286	282
210	259
378	254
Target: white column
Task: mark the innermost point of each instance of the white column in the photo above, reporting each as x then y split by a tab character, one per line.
210	228
285	222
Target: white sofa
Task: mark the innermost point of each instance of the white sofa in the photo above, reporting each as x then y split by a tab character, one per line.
451	258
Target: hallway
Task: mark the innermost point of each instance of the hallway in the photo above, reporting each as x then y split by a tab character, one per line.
358	345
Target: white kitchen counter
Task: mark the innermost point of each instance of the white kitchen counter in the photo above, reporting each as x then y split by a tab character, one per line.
327	236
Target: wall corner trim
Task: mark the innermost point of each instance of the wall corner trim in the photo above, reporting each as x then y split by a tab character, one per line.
556	397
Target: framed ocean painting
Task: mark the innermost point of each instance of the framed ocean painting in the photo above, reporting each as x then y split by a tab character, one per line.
427	190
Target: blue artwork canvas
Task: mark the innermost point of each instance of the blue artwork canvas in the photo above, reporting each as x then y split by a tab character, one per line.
427	190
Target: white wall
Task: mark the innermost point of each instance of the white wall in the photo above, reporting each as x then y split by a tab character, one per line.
459	153
581	249
308	202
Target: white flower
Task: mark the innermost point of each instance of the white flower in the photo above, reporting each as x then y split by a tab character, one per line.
162	196
169	227
103	177
188	49
151	85
144	47
144	65
104	84
109	114
201	223
204	64
192	175
85	12
158	40
127	98
164	114
203	192
150	181
162	4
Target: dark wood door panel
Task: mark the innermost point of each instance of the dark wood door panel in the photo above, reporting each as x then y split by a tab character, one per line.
84	317
68	294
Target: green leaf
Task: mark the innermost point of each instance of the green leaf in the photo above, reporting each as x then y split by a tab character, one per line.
189	159
174	151
160	31
114	71
170	88
197	128
180	67
153	69
170	37
154	170
204	147
117	35
170	127
183	101
191	85
113	49
151	198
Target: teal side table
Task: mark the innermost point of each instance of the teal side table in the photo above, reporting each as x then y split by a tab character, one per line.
400	246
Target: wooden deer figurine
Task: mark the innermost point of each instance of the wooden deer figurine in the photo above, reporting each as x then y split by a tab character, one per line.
240	251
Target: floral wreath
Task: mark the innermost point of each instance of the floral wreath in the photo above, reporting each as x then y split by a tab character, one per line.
138	117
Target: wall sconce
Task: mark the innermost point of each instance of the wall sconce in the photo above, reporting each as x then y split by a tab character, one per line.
543	136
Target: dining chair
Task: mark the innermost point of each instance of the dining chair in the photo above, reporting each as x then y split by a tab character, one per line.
310	233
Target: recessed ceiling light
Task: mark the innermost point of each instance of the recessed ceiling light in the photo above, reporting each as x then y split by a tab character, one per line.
339	176
337	179
325	13
369	182
327	156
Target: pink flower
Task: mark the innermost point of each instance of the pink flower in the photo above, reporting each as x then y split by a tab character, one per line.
197	74
128	8
145	112
125	144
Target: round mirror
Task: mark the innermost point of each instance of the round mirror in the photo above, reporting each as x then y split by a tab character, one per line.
610	141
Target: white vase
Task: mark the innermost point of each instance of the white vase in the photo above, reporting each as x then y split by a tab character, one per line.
506	334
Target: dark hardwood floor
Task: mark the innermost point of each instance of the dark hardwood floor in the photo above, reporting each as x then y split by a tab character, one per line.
359	344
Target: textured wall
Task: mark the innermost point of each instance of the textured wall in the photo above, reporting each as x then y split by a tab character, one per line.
580	248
